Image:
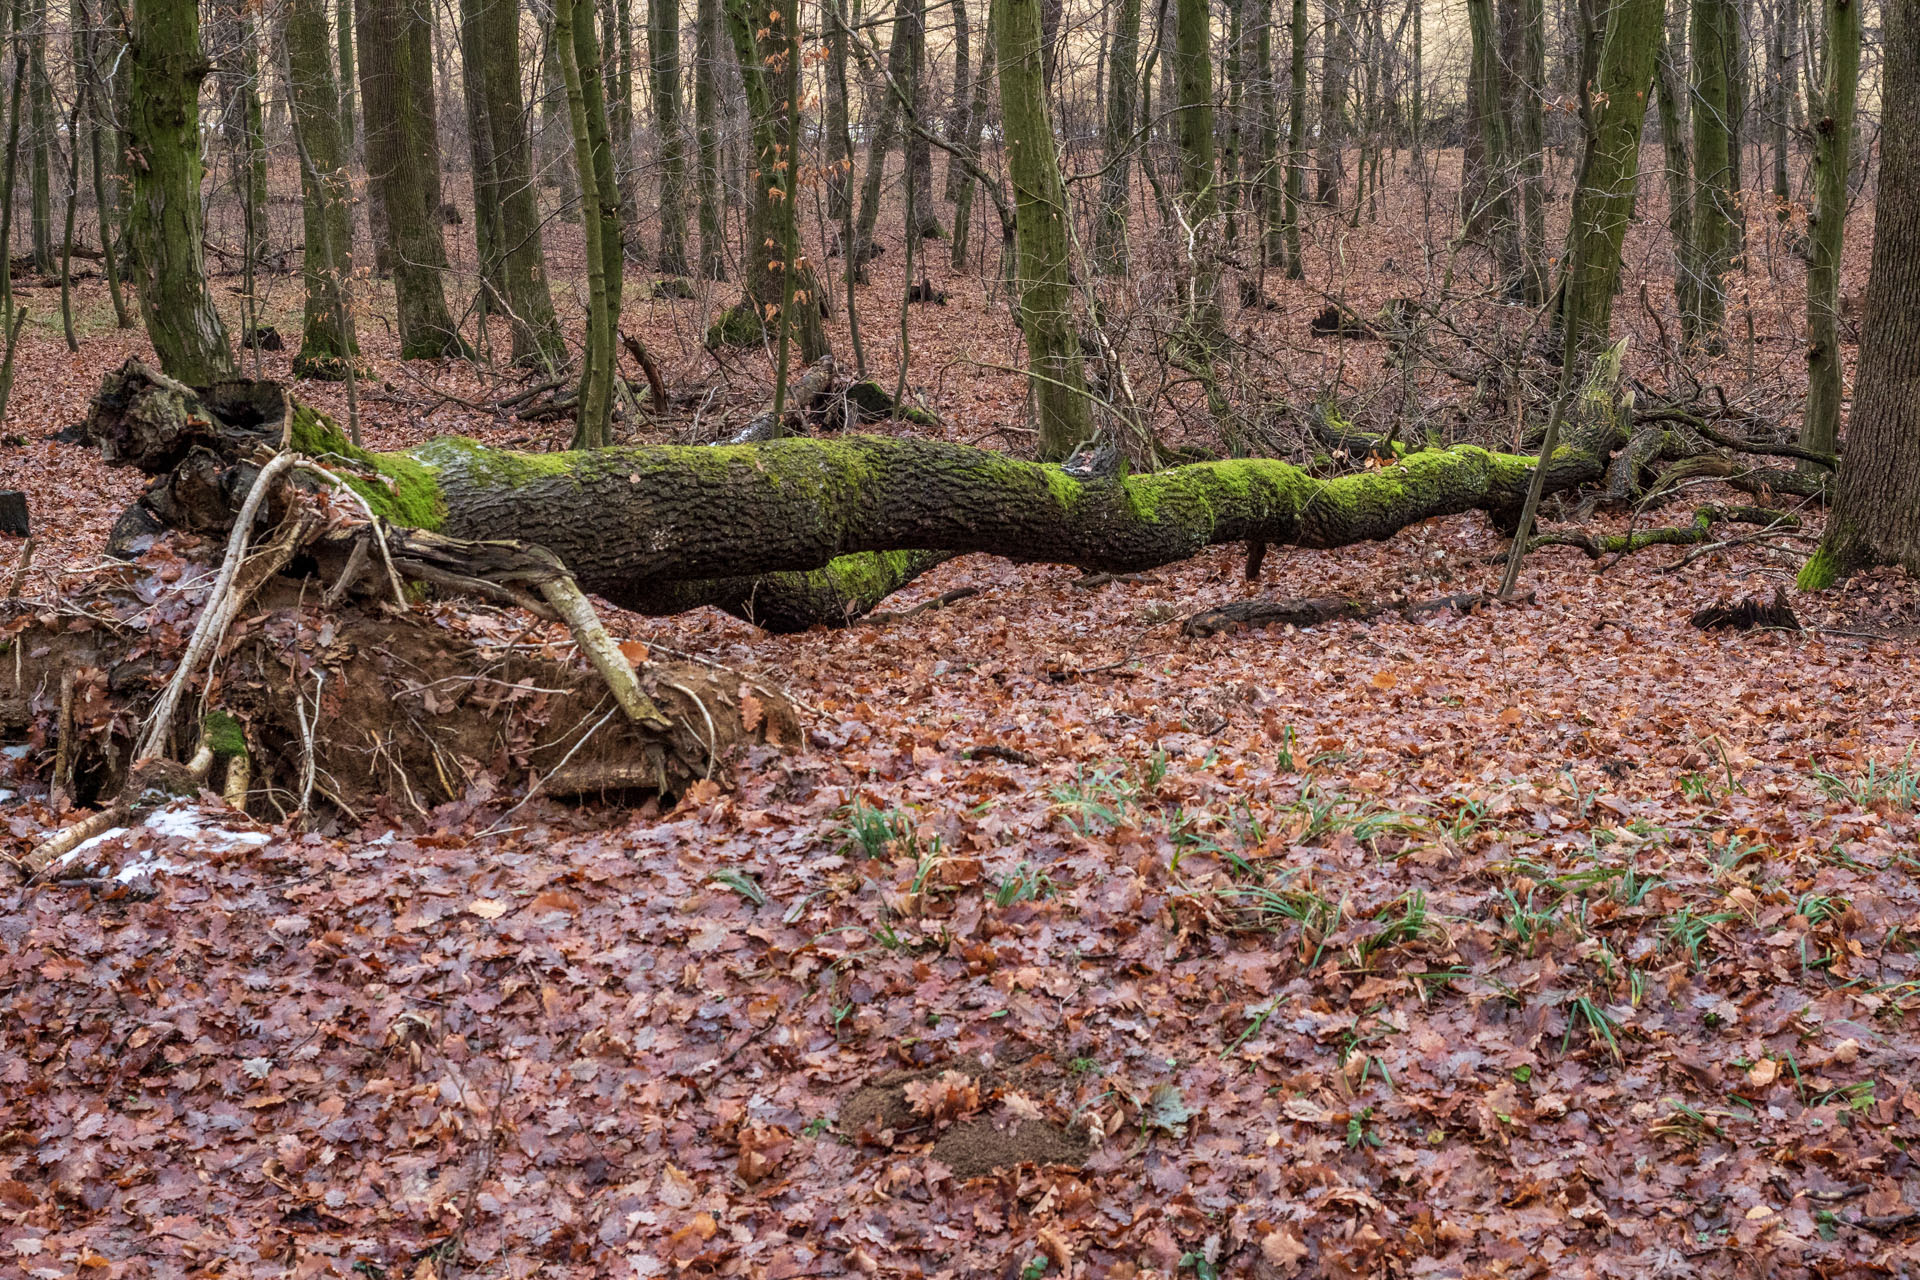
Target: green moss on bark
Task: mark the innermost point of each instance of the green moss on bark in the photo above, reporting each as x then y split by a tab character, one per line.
398	486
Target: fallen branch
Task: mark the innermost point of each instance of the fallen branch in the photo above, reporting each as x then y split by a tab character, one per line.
1700	531
883	617
1315	610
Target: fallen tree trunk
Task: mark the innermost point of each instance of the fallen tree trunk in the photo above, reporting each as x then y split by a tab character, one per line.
798	531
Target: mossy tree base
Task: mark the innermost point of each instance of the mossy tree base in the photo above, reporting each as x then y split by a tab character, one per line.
664	527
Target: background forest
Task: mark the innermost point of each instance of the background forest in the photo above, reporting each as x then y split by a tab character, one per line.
1084	638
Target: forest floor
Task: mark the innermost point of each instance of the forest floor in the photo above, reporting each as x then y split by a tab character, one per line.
1552	939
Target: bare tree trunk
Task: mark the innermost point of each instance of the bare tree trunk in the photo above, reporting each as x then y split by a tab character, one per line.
1199	183
1669	87
1716	176
706	123
391	72
959	110
40	100
663	47
1876	511
1116	184
1833	111
1296	137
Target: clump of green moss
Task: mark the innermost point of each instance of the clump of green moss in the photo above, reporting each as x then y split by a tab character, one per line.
737	326
222	735
398	487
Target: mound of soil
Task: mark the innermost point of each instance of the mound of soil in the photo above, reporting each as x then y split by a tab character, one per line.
973	1146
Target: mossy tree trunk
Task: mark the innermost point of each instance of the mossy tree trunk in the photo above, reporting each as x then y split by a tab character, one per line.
773	188
391	72
663	53
579	54
164	69
1831	113
1876	510
825	524
1057	379
1715	48
1603	200
1296	136
1199	182
326	187
1123	107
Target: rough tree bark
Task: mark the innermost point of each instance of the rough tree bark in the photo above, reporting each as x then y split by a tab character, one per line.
390	75
1876	510
1716	183
1116	184
772	205
1199	183
1603	200
1056	379
165	68
326	336
1832	115
663	53
706	125
526	297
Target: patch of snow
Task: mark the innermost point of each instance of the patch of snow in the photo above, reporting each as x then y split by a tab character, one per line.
73	854
190	824
16	753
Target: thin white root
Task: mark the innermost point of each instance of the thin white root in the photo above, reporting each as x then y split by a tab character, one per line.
713	733
218	615
577	612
